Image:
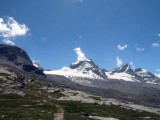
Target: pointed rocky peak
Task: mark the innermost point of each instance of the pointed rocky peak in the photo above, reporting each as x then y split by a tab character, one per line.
82	68
85	65
124	69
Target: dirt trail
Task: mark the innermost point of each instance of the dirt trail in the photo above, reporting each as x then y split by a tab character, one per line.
60	113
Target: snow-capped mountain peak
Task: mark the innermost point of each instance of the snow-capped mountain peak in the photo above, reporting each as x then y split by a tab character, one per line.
125	72
83	67
124	68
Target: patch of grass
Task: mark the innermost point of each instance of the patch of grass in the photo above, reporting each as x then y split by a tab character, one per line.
73	110
18	109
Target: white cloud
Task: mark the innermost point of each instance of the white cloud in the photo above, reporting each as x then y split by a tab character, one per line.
159	34
80	54
8	41
119	62
10	29
132	65
155	45
120	47
140	49
3	26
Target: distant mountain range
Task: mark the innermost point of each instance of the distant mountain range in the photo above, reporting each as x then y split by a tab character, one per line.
86	68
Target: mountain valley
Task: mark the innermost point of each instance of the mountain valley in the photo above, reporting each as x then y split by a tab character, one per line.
81	91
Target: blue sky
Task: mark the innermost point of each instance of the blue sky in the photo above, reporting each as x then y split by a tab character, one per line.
56	27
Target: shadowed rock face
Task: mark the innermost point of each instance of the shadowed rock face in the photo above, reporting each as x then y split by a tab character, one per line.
16	56
144	75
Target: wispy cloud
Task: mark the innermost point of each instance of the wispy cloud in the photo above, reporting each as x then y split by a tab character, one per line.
140	49
132	65
81	56
10	29
122	47
159	34
8	41
119	62
155	45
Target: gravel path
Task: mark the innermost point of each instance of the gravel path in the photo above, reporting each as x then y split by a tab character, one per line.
60	113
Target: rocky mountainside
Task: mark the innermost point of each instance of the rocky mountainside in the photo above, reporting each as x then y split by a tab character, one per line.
16	57
22	93
146	76
17	70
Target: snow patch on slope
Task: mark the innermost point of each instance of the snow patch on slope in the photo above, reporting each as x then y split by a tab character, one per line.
121	76
68	72
36	64
143	73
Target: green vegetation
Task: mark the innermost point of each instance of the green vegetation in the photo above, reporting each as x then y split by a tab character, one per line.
73	111
18	109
